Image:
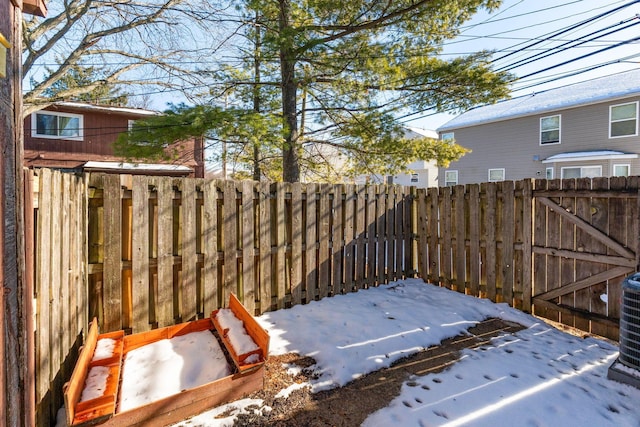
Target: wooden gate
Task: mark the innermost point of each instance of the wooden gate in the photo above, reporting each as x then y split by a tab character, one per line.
585	240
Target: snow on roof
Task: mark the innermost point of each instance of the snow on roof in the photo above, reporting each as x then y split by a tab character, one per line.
106	108
610	87
422	132
589	155
136	166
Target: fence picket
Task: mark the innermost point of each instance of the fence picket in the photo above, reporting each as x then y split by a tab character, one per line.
336	241
264	200
311	246
349	240
188	250
140	255
296	243
248	247
324	219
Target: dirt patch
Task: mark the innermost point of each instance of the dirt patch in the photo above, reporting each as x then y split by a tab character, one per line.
351	404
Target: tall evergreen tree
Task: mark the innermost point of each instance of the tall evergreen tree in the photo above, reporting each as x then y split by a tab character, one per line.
345	70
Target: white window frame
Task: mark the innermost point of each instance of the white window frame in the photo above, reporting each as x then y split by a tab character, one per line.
549	173
34	125
415	177
448	136
494	170
580	167
626	165
611	107
559	116
446	183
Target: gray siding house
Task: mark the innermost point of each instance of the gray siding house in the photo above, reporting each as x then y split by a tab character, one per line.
587	129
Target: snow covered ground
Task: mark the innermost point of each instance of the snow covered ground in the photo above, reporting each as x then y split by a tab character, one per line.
537	377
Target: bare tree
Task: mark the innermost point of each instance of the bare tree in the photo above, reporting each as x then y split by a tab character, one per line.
157	44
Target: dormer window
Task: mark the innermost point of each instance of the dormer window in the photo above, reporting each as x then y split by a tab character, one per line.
55	125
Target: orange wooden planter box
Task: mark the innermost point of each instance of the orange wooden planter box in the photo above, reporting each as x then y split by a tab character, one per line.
247	377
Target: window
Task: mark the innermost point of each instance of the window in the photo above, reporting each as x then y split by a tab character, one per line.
549	173
623	120
56	125
450	178
496	175
582	172
448	136
550	130
414	177
621	170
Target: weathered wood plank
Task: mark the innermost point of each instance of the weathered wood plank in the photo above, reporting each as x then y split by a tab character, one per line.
460	261
567	239
434	273
230	240
264	200
349	211
112	284
324	220
189	309
584	256
248	295
371	224
594	232
56	356
296	243
584	243
381	234
43	285
490	222
423	238
474	239
164	297
508	235
411	233
311	243
140	255
391	240
67	338
360	233
282	286
337	241
553	279
527	243
399	208
619	226
210	238
584	283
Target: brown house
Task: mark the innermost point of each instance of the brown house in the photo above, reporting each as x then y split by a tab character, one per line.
78	136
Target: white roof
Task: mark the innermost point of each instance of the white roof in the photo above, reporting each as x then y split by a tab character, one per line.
589	155
606	88
136	166
421	132
106	108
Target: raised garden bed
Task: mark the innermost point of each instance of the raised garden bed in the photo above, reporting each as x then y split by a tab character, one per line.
93	395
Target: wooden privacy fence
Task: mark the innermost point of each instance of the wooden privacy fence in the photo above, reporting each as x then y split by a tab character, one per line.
60	291
144	252
476	239
557	248
163	250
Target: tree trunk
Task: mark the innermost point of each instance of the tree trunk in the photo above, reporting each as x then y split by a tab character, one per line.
290	160
256	95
